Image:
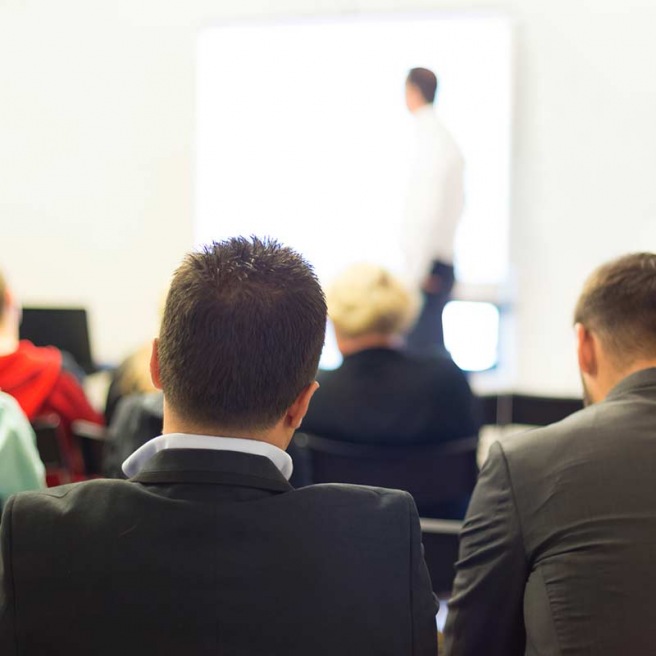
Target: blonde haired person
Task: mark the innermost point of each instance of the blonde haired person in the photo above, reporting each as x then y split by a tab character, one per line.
381	394
132	376
368	304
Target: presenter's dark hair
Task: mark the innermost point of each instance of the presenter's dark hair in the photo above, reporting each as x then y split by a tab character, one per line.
619	303
425	80
242	333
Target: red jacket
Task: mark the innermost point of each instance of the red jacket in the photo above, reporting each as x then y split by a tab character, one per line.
33	375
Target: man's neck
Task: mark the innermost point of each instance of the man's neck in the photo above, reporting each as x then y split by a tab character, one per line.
422	109
174	424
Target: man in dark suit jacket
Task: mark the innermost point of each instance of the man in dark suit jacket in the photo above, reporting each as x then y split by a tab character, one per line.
557	550
207	549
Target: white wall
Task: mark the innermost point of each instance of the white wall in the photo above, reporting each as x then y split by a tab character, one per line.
96	153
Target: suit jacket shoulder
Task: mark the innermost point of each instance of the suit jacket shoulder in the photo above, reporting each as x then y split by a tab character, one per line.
556	550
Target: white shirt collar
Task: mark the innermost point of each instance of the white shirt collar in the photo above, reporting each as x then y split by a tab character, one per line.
424	111
144	453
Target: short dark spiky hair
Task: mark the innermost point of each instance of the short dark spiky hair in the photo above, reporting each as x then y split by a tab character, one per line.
242	332
425	80
619	303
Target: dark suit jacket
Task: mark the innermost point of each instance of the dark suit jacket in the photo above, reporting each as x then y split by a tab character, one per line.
385	396
558	550
209	552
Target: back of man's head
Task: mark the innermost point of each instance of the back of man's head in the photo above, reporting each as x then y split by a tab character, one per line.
618	303
241	335
425	81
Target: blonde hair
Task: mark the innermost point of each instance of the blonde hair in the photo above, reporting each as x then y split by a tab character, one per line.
367	299
135	378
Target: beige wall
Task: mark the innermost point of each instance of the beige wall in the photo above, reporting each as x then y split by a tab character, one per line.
96	153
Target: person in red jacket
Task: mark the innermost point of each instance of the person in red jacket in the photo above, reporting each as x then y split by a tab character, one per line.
36	378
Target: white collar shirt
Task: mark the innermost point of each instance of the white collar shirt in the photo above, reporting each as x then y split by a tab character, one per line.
435	198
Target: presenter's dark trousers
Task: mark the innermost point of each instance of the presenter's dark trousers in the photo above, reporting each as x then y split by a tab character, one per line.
427	335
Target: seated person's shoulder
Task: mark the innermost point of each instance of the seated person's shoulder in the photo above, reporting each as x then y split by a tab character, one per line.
548	444
10	411
325	376
363	513
62	498
444	366
357	498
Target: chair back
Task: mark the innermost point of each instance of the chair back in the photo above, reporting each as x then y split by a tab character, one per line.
505	409
49	442
432	474
90	440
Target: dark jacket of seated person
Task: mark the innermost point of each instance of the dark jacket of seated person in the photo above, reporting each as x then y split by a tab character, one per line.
557	550
207	548
386	396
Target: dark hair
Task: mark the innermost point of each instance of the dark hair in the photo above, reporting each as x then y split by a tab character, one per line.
619	303
425	81
242	332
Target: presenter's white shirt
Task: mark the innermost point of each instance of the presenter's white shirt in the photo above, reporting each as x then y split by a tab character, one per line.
435	197
144	453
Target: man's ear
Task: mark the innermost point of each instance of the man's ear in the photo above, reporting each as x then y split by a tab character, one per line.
586	350
154	365
299	408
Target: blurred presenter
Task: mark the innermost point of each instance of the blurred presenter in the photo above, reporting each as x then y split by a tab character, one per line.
434	206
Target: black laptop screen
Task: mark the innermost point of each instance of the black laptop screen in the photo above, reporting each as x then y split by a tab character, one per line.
65	328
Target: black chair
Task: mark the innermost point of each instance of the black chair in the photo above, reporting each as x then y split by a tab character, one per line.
542	411
90	440
505	409
51	449
440	478
441	542
434	475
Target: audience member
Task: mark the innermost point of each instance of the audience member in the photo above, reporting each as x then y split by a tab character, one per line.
208	549
557	550
137	419
35	377
131	377
20	465
381	394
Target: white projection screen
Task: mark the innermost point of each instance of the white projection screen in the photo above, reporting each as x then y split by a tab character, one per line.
303	134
